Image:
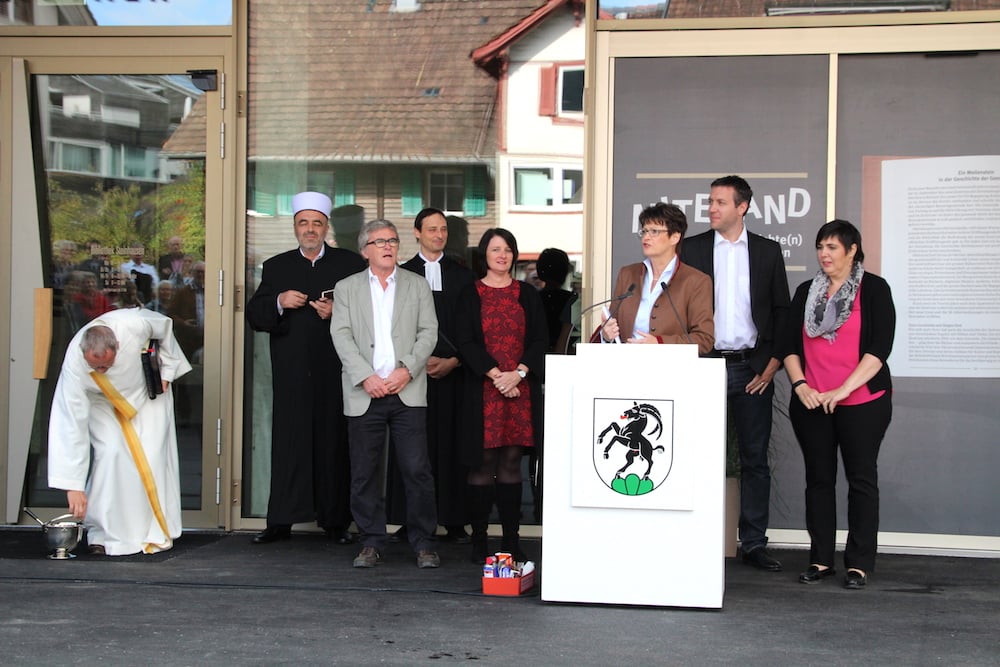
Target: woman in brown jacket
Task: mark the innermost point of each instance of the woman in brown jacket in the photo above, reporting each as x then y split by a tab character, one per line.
671	302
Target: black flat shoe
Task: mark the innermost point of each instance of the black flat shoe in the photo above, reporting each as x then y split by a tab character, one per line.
855	579
399	536
272	534
814	575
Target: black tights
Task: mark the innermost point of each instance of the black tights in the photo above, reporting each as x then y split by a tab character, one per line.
503	463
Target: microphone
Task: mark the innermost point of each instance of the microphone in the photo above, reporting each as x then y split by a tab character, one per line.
621	297
676	314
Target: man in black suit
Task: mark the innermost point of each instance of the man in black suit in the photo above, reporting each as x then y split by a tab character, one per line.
446	278
310	462
751	304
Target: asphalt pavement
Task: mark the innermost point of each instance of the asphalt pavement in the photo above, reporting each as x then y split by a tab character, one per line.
217	599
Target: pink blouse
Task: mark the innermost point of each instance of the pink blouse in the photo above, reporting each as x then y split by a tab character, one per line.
828	363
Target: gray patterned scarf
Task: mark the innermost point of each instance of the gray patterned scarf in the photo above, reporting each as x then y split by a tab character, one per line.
824	316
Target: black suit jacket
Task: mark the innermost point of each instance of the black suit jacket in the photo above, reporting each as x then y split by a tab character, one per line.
769	302
454	278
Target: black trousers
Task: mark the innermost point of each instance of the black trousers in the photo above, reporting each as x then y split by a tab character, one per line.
367	435
857	431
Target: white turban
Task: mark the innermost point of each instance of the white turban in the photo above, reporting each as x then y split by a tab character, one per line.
312	201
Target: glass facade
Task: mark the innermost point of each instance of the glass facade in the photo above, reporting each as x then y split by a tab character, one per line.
125	226
116	12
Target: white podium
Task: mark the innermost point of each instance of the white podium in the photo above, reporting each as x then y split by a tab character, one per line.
634	474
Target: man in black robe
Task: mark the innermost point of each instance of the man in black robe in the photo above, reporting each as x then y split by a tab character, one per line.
446	278
310	465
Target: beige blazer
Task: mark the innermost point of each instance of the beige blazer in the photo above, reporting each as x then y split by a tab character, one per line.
414	335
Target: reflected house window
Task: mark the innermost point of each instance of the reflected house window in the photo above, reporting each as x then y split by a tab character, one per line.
548	187
115	12
76	157
561	92
571	90
446	191
634	9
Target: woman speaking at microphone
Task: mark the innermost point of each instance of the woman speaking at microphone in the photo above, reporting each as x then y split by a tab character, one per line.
670	302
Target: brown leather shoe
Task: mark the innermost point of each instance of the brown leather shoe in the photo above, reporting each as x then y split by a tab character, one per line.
368	557
428	559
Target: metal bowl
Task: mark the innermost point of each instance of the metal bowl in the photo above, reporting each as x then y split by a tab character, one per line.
63	536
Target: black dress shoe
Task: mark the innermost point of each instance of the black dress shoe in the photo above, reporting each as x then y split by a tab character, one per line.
761	560
272	534
399	535
855	579
814	575
339	535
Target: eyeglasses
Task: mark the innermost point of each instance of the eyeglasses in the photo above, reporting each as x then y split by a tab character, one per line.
381	243
652	231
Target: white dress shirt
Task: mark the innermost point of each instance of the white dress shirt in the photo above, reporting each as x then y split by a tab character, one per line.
734	327
383	300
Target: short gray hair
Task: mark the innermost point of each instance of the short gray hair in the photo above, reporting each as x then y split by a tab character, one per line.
371	227
98	339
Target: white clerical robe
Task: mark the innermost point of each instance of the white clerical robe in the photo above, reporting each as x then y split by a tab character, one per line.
119	515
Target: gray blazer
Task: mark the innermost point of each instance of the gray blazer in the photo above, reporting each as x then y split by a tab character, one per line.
414	335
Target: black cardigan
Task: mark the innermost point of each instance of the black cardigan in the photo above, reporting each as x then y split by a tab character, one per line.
878	326
476	362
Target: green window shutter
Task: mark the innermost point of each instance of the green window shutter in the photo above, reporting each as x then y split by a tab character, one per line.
285	204
343	187
475	192
413	191
264	203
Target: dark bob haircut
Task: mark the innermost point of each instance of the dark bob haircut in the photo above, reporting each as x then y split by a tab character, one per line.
844	232
484	242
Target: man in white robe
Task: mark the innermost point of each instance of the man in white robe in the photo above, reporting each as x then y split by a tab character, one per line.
129	496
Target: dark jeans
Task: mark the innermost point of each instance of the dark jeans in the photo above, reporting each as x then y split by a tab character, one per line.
857	430
751	415
409	436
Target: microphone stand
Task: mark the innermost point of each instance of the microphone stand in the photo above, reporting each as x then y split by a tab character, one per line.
619	298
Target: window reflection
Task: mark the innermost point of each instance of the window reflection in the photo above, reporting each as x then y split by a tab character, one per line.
125	193
116	12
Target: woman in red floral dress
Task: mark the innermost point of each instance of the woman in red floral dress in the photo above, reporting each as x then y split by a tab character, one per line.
502	342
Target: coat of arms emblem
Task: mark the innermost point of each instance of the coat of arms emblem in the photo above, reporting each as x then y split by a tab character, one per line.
633	454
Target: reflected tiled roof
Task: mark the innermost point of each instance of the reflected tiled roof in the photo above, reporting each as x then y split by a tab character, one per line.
189	138
352	80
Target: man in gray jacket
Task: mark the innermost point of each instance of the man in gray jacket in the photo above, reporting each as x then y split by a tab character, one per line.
384	328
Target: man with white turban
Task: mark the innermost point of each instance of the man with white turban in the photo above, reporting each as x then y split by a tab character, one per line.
310	464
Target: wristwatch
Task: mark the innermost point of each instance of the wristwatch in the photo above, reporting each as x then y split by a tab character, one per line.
523	373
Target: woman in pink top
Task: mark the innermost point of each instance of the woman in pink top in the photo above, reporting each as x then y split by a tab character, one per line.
841	330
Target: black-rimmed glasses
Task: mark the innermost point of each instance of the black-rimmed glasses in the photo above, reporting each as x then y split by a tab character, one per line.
381	243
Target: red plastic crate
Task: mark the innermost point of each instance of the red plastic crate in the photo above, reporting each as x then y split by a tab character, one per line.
510	586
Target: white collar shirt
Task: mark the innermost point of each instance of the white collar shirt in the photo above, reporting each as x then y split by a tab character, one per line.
383	300
651	292
734	327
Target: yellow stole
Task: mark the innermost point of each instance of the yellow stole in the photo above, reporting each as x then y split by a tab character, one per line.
125	412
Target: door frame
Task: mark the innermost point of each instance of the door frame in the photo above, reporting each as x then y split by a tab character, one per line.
148	54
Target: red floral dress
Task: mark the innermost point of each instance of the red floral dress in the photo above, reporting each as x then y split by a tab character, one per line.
506	421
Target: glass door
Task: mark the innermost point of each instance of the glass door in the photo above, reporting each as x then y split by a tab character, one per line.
123	161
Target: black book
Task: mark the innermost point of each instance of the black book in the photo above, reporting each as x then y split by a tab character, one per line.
151	368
